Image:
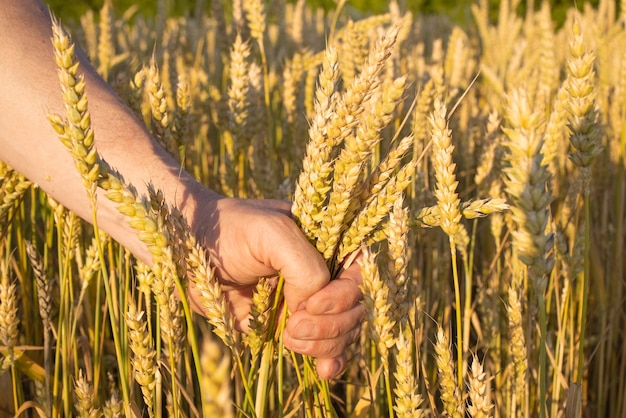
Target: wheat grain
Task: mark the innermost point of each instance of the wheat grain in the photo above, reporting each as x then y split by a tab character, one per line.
381	110
384	170
548	71
515	52
213	301
371	216
458	60
483	207
44	287
136	86
13	186
181	115
89	30
423	106
114	406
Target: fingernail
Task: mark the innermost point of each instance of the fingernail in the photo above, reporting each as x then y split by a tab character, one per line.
302	306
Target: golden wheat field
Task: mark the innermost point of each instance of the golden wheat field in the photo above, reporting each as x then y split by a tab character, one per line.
478	169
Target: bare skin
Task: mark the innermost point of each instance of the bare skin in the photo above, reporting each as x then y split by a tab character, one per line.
246	239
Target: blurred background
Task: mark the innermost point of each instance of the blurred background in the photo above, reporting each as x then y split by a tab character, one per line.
457	10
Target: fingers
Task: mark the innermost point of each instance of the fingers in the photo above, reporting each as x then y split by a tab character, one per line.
282	246
256	238
251	239
325	337
330	322
303	326
339	295
330	353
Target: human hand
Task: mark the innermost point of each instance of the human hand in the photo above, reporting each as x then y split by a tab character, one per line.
330	322
248	239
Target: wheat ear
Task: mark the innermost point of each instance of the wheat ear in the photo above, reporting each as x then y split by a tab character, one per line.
9	321
358	146
398	253
479	391
85	399
583	119
313	183
75	131
144	356
377	307
407	399
215	381
517	344
450	394
259	317
371	216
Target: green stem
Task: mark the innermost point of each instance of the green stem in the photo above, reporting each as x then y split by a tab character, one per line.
585	277
543	327
467	308
389	392
263	379
330	411
333	25
14	386
191	333
459	328
244	381
97	357
281	349
113	320
266	91
173	372
306	395
373	369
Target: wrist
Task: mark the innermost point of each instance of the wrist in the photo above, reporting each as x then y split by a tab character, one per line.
197	204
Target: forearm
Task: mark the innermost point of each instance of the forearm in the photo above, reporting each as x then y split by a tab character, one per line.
30	90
